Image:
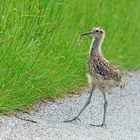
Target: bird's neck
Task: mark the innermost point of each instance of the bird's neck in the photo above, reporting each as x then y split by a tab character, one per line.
96	46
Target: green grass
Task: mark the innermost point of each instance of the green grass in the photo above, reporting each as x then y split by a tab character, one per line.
40	55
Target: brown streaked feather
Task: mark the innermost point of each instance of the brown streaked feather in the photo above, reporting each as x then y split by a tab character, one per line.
97	65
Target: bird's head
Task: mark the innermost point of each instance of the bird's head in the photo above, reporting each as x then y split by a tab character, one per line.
95	32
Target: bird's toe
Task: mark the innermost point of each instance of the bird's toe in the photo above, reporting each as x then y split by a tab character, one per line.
76	118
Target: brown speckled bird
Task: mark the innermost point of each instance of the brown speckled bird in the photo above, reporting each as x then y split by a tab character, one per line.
101	74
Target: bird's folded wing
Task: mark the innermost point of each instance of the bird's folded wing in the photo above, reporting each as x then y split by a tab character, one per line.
107	71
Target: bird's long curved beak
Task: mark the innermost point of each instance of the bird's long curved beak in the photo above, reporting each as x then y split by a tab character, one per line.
87	33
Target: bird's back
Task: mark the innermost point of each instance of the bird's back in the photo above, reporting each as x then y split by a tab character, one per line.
103	71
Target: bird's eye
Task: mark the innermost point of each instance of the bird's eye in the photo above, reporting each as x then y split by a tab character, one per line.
101	31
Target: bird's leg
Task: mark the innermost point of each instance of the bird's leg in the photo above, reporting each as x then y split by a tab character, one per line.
105	108
104	115
86	104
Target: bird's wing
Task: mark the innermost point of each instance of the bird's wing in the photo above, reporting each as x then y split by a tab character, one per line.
106	70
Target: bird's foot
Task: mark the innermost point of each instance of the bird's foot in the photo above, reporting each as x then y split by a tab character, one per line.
99	125
75	118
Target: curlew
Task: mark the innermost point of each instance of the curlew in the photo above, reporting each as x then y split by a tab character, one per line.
101	74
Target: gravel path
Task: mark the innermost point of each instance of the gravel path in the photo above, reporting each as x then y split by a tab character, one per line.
123	117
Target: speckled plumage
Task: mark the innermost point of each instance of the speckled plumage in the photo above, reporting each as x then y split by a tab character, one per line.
103	73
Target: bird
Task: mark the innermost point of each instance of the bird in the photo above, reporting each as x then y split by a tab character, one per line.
101	74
